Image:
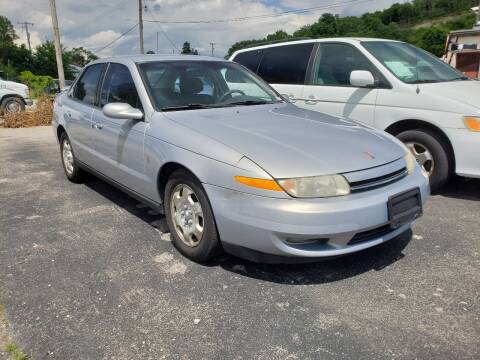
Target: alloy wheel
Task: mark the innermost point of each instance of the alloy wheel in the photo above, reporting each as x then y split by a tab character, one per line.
423	156
187	215
67	156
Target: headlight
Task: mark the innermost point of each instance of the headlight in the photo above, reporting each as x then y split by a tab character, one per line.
316	186
472	123
411	162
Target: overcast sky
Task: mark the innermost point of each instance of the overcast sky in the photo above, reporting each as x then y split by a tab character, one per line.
95	23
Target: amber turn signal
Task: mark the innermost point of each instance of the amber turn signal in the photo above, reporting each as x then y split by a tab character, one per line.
472	123
264	184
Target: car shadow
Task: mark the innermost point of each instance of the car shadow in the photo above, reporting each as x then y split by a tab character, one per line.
331	270
461	188
133	206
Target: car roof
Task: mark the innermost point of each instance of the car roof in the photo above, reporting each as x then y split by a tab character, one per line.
349	40
124	59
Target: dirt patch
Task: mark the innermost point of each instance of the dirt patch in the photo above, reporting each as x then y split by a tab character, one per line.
39	115
8	349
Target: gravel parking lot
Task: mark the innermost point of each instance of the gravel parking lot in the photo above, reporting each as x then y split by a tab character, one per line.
88	273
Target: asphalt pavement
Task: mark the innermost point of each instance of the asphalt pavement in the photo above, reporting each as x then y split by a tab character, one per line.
86	272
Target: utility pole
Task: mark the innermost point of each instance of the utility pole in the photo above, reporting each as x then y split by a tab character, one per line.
58	46
140	24
213	47
478	14
25	25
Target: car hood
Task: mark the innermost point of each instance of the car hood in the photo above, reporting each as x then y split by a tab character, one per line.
466	92
14	86
287	141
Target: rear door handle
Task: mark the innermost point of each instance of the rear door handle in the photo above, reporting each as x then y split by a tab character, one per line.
69	114
97	126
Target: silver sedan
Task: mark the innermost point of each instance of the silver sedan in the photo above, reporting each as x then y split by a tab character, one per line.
234	166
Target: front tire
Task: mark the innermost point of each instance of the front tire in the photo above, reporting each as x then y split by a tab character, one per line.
12	105
70	165
190	217
431	154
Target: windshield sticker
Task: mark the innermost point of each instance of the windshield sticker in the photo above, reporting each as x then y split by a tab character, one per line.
401	69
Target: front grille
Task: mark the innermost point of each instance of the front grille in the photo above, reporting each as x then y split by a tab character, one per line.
369	184
371	234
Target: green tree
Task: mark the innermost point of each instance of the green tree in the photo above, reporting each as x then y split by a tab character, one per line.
188	50
7	32
433	40
7	46
44	62
80	56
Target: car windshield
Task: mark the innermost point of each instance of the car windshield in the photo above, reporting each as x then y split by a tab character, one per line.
184	85
411	64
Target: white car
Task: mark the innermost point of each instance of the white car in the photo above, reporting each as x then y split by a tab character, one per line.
386	84
13	96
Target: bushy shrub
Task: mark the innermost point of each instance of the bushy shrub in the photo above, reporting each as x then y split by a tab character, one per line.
38	84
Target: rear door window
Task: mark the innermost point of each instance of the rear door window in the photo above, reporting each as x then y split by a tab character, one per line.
86	87
285	64
249	59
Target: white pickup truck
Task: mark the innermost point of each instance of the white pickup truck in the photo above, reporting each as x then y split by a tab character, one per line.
13	96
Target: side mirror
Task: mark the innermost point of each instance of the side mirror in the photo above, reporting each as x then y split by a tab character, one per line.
362	78
122	111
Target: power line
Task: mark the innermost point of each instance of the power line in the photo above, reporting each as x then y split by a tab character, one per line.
264	16
160	27
114	41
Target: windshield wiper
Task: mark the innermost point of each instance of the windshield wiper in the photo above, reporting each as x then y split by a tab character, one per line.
250	102
186	107
426	81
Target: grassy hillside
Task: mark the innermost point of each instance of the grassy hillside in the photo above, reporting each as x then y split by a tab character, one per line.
424	23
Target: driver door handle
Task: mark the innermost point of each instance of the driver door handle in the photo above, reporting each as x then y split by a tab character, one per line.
97	126
311	100
290	97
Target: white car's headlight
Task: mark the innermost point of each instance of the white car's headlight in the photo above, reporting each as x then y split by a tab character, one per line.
411	162
316	186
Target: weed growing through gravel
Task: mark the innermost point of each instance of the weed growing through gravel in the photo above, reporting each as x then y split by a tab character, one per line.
15	352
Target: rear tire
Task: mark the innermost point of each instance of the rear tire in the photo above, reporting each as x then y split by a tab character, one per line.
190	217
70	165
12	105
441	167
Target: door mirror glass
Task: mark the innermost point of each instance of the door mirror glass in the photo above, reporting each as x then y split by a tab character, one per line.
122	111
362	78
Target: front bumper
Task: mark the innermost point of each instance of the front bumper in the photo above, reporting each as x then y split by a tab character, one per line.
275	226
466	146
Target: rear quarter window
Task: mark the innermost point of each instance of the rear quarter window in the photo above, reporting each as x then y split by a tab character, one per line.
285	64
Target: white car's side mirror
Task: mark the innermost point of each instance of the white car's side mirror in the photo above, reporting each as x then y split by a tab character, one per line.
122	111
362	78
